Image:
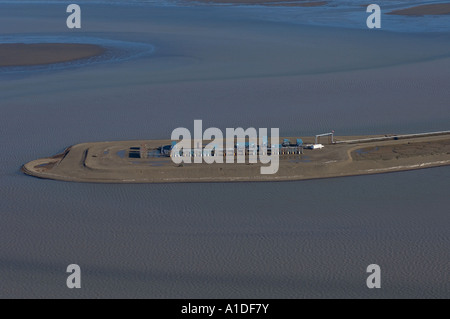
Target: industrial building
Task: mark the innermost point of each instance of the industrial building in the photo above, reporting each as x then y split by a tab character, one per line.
246	149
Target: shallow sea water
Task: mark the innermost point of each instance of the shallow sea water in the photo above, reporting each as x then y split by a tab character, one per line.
239	240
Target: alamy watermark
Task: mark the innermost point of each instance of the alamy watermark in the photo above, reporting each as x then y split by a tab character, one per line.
74	279
237	144
374	279
74	19
374	20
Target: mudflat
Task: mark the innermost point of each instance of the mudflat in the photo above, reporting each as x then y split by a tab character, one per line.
21	54
111	162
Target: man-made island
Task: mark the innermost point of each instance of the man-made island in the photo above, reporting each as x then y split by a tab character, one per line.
21	54
150	162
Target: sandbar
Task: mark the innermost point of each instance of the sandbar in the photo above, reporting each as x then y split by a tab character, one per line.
427	9
21	54
271	3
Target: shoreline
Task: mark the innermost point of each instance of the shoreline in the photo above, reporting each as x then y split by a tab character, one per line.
109	162
387	171
22	55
